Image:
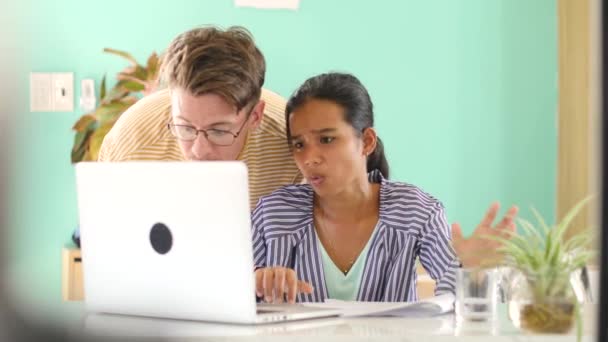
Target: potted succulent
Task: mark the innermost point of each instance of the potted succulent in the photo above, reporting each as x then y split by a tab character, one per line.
134	81
541	296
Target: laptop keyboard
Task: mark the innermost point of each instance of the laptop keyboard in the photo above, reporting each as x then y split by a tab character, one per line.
270	308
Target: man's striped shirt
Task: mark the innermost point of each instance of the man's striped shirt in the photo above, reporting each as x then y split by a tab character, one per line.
411	225
141	134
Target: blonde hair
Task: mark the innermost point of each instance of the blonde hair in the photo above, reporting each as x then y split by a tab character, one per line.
222	62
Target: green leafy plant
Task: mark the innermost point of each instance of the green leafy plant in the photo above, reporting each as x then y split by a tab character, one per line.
546	260
134	81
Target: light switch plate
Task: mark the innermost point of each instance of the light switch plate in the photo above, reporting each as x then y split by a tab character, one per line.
51	92
40	92
63	92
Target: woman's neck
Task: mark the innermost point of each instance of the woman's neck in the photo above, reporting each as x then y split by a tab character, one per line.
351	203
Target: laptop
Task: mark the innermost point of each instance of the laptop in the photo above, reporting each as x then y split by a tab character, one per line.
172	240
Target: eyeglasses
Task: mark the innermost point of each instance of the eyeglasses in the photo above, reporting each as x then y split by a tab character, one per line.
215	136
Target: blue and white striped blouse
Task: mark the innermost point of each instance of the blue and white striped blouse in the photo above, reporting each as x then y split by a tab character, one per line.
411	224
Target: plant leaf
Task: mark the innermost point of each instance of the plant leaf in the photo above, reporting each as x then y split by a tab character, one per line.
134	86
532	232
116	93
77	155
540	220
557	233
85	127
129	77
129	100
97	139
80	145
111	111
87	156
84	122
570	215
514	246
102	91
576	242
152	66
123	54
581	259
141	73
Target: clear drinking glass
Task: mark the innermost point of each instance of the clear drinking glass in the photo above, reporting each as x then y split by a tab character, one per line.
476	295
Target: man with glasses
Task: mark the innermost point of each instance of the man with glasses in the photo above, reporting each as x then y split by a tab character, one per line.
213	109
213	135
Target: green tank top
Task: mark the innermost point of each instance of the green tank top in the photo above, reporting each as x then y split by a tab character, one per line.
339	285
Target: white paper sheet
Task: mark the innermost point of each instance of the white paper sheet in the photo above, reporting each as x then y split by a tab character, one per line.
424	308
269	4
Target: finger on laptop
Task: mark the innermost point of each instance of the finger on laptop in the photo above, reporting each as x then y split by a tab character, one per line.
279	284
295	286
304	287
259	282
268	284
291	280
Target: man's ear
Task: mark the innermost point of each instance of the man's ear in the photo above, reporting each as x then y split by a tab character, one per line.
257	114
370	140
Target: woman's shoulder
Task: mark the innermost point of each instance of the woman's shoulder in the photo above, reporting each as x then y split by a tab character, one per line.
292	203
289	194
406	195
407	208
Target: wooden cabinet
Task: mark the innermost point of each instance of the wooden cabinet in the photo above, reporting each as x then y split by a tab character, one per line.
72	287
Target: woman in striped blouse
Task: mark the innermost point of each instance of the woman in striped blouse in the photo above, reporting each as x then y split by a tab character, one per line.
349	233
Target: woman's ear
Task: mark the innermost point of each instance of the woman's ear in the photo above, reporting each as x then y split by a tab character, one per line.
257	113
370	139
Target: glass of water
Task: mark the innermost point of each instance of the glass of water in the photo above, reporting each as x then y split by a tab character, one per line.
476	295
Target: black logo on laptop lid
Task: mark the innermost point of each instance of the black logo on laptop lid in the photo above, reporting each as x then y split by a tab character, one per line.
161	238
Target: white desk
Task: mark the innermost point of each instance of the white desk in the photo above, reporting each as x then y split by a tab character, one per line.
440	328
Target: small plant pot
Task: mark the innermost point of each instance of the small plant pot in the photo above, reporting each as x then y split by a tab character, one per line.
552	316
542	305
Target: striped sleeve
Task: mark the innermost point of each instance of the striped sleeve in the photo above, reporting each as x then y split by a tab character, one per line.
259	241
436	253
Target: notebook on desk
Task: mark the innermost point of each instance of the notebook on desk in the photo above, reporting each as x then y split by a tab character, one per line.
428	307
171	240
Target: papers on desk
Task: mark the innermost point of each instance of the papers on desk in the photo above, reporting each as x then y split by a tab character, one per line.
425	308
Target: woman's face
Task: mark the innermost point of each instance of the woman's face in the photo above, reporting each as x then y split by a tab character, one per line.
325	147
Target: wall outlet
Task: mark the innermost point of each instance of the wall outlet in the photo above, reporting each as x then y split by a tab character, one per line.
87	95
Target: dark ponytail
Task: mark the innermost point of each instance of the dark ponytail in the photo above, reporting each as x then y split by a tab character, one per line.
377	160
347	91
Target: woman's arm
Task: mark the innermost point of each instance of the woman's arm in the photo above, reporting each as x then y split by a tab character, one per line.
436	253
273	283
258	240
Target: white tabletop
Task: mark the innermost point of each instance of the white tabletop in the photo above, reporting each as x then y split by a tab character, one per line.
439	328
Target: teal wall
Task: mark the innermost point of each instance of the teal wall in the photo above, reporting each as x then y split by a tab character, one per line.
465	94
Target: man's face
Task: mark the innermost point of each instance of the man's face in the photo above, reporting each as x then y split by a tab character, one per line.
210	112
